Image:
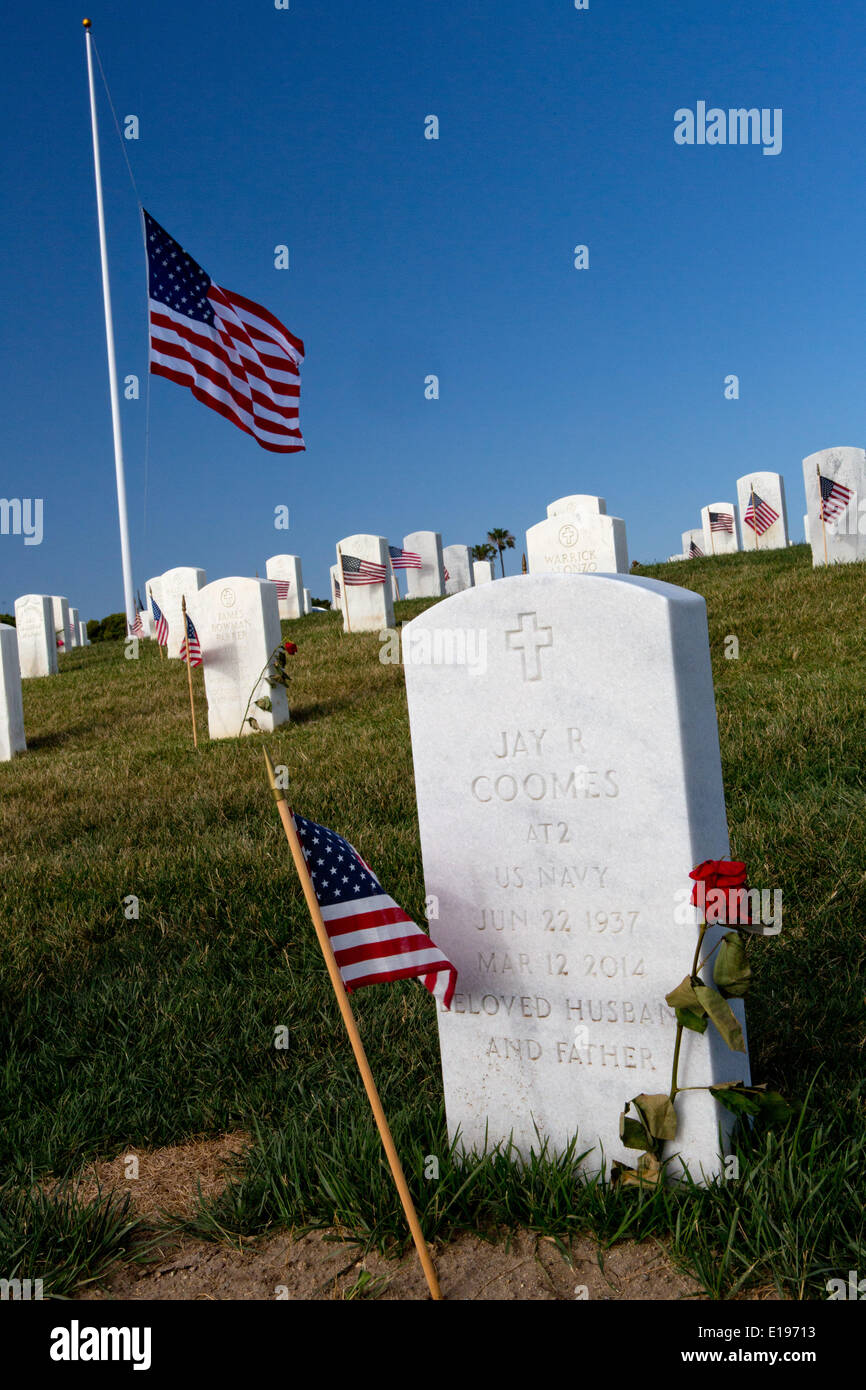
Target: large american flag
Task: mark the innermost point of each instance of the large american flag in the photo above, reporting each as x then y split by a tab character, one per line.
373	939
759	514
161	623
357	571
722	521
834	497
232	354
190	648
694	550
403	559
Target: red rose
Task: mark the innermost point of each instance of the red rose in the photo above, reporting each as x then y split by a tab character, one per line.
291	647
716	890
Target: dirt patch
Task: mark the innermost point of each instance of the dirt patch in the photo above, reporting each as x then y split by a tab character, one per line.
320	1266
168	1180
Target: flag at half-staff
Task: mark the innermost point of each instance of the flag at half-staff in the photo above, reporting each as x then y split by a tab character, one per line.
232	353
373	939
759	515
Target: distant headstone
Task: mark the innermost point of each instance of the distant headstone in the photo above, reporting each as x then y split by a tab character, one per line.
238	626
579	502
183	582
83	639
335	589
37	640
721	527
806	531
568	779
482	572
457	564
578	542
288	569
429	580
770	527
308	602
693	537
844	473
677	557
366	607
62	626
12	739
73	628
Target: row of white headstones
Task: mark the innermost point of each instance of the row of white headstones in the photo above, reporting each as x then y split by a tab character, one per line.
30	648
840	533
568	778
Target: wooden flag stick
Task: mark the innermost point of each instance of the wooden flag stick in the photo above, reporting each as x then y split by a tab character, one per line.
523	569
188	671
352	1029
821	510
754	518
344	595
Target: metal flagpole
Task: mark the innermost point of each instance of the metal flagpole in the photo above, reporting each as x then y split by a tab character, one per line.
126	557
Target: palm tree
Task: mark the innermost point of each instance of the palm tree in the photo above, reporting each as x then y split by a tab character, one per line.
482	552
502	540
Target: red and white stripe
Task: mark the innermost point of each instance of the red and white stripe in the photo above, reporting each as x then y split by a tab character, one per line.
374	941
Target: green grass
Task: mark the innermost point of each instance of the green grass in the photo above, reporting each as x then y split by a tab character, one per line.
131	1033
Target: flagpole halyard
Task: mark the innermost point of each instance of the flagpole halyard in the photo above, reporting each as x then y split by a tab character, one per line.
352	1029
188	670
125	551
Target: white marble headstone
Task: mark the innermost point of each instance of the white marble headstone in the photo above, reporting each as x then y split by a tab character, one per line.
73	628
335	586
721	542
769	489
62	626
238	626
12	739
579	502
174	585
37	641
846	468
806	531
308	602
568	779
288	567
83	639
457	560
696	535
429	580
577	543
482	572
366	607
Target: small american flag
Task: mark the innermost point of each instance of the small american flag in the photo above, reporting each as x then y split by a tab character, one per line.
190	648
282	588
447	575
357	571
722	521
694	550
759	514
337	587
403	559
373	939
161	623
137	629
834	497
232	354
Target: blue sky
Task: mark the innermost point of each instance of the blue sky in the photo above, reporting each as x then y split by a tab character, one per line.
260	127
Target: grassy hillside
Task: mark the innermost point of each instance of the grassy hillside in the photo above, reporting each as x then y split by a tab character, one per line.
128	1033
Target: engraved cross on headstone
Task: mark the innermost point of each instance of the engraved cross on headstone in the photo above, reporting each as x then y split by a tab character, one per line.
529	641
